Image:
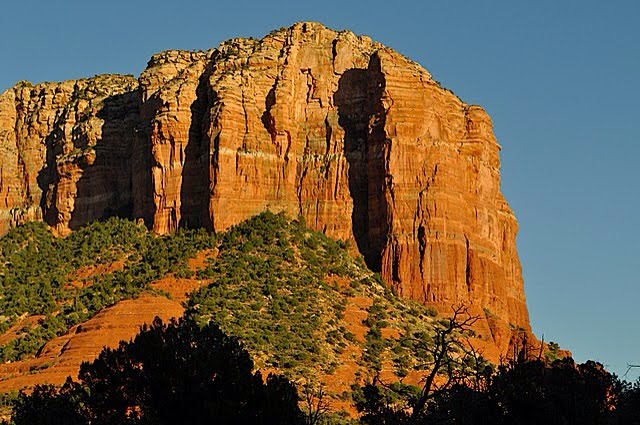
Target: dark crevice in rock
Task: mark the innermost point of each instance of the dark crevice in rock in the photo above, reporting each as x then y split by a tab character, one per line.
395	266
267	119
467	270
48	176
142	160
362	116
422	246
195	188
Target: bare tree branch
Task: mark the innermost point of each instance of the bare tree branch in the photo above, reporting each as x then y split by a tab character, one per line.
316	405
450	355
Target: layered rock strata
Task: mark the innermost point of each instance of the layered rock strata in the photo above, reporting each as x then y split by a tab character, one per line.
333	127
65	151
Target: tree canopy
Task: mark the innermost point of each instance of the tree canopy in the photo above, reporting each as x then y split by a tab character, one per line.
169	374
524	392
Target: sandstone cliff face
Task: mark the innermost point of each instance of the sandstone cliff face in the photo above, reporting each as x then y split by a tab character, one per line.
343	131
65	151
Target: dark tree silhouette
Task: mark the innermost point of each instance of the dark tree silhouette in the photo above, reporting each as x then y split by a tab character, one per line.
523	392
627	411
462	405
50	405
169	374
532	392
316	405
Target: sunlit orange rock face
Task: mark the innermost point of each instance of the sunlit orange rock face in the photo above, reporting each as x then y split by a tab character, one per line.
343	131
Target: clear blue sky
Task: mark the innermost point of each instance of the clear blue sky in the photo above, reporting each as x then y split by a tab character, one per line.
561	80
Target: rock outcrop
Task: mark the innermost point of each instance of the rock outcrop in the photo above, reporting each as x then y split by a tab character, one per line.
343	131
65	151
61	357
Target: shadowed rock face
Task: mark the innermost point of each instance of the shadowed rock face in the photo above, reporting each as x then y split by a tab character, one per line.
343	131
65	151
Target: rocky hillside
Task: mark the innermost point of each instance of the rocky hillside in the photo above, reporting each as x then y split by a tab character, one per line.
62	300
333	127
300	303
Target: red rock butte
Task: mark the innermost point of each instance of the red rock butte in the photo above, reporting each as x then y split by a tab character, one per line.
334	127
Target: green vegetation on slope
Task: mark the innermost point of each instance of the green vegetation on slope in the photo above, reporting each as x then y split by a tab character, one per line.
286	292
283	290
294	297
38	269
